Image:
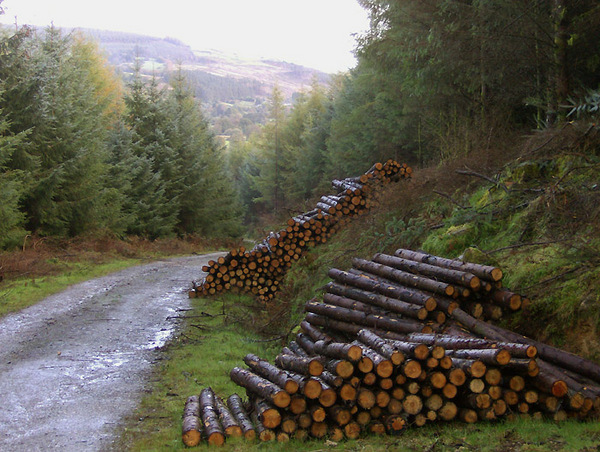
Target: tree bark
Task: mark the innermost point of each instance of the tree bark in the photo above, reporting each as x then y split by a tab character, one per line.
486	272
210	418
377	300
260	386
236	406
384	288
191	429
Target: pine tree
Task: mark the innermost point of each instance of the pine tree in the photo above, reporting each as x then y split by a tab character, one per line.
207	200
272	159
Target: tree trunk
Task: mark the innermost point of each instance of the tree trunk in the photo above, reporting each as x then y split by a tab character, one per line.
400	293
191	430
481	271
236	406
381	267
447	275
369	302
260	386
213	431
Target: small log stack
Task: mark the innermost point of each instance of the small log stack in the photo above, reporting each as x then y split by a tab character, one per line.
403	340
259	270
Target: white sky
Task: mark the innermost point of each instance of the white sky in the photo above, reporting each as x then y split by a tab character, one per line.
314	33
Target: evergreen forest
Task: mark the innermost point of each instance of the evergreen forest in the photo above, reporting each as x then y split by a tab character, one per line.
86	151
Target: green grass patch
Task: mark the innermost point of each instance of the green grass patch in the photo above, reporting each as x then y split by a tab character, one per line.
23	292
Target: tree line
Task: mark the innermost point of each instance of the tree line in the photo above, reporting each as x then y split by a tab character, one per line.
80	152
434	79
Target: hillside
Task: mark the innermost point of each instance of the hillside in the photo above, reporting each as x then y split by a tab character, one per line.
232	89
529	206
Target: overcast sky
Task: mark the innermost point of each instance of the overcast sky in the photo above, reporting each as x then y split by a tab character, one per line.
314	33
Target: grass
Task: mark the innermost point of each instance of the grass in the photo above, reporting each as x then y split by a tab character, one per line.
23	292
44	266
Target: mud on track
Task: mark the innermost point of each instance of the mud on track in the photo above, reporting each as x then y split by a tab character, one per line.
72	366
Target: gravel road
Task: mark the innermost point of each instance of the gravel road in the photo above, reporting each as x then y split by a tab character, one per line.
73	365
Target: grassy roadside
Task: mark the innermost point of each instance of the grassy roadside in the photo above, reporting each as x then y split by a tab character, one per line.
46	266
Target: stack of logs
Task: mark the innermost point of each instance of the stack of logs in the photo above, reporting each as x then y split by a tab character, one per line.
400	341
260	269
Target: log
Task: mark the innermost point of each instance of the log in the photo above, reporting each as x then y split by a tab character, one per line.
290	384
230	425
191	429
451	342
236	406
486	272
268	415
260	386
360	318
383	367
300	364
315	333
381	346
384	288
491	356
213	431
409	310
412	404
379	267
339	350
381	301
458	277
265	434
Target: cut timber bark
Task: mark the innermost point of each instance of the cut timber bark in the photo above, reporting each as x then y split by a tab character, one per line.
453	343
272	373
457	277
339	350
228	421
492	356
267	414
409	310
381	301
380	268
381	346
315	333
360	318
482	271
260	386
389	290
300	364
191	431
236	406
213	431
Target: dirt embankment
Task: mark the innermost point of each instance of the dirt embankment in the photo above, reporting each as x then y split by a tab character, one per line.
72	366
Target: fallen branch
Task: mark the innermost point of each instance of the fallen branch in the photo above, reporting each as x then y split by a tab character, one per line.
444	195
484	177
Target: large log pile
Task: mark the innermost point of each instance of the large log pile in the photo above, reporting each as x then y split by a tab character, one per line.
259	270
405	340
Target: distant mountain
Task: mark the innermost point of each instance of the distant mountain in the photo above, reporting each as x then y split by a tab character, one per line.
233	91
255	78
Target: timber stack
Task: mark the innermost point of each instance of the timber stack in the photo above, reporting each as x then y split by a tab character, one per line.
401	341
260	269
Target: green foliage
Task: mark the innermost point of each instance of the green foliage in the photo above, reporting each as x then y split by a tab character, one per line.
587	105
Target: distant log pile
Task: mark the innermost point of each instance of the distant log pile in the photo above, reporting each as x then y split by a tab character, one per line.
259	270
402	341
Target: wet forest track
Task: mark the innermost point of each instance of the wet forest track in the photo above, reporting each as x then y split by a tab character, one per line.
74	365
